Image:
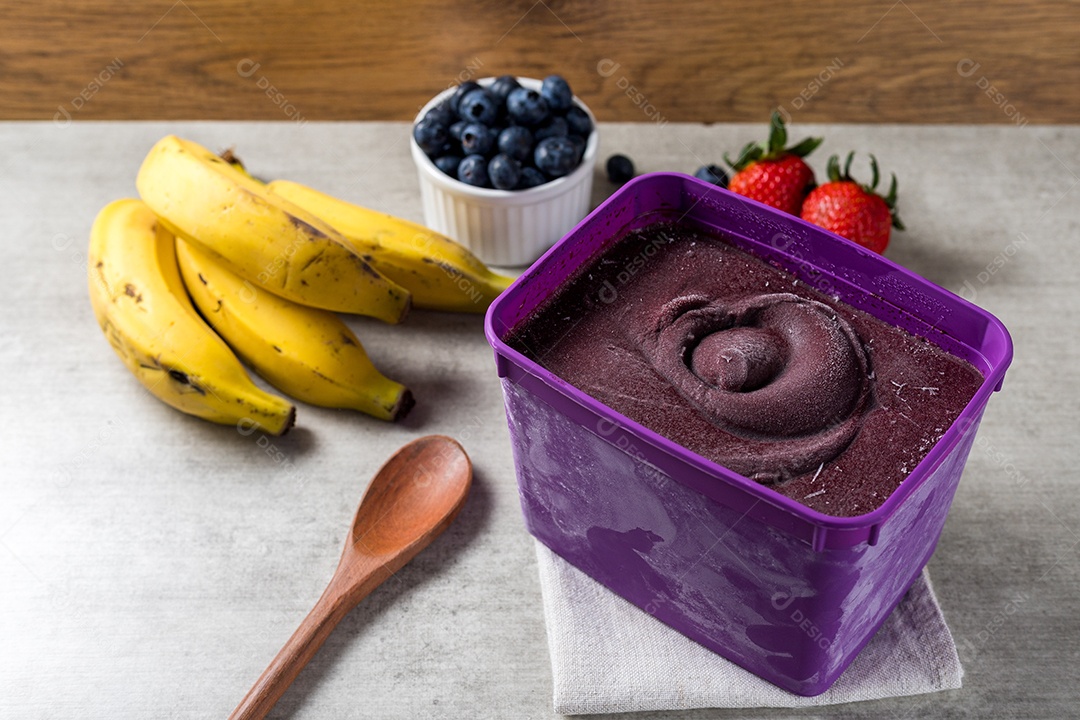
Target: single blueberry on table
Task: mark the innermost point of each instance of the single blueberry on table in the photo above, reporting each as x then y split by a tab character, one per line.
556	156
473	171
712	174
530	177
526	107
555	127
579	121
430	136
476	139
556	91
504	172
448	164
517	142
503	86
479	106
462	90
620	169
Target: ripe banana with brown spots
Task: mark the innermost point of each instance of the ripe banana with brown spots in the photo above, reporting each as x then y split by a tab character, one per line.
268	241
440	273
140	303
305	352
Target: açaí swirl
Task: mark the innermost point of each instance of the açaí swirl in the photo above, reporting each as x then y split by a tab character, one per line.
785	374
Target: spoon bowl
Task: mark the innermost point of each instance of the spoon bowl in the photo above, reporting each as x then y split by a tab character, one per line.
414	497
430	477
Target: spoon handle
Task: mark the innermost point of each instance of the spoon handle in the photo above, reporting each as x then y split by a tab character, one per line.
334	604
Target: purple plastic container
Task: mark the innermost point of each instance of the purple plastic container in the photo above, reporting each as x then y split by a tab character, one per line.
786	592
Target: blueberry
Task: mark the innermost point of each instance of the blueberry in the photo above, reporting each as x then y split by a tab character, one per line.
473	171
526	107
502	87
556	91
579	121
476	139
530	177
712	174
430	136
555	127
450	147
517	142
441	114
504	171
457	128
479	106
448	164
462	90
579	145
620	169
556	156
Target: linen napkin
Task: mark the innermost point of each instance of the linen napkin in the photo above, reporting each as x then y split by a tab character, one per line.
608	656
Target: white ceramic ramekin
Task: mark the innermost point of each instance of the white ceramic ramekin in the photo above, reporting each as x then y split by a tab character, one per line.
504	227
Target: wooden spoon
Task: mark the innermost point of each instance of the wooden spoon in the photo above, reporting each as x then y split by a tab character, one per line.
411	500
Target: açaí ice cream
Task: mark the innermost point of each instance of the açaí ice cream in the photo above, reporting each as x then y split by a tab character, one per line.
745	365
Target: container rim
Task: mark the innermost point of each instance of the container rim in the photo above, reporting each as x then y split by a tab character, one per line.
825	530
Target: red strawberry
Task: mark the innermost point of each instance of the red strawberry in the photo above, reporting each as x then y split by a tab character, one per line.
773	174
852	210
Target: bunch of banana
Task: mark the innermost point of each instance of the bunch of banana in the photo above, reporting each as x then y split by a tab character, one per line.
267	266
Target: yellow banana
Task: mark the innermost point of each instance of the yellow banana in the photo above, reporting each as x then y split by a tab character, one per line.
261	237
141	305
440	273
305	352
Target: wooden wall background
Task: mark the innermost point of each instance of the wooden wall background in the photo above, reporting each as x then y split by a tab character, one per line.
906	61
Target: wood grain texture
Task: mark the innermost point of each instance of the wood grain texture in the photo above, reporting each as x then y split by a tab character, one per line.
911	61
